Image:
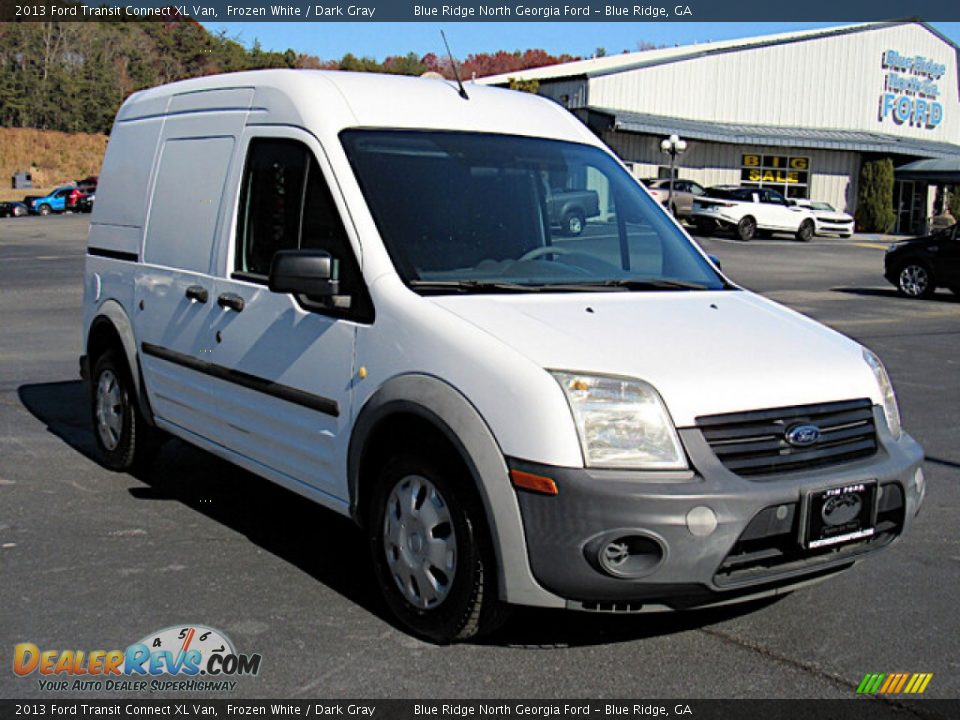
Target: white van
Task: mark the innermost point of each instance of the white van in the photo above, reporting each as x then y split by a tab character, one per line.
349	284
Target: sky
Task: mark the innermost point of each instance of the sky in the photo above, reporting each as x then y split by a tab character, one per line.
332	40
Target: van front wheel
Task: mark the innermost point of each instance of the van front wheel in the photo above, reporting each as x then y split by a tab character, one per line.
430	550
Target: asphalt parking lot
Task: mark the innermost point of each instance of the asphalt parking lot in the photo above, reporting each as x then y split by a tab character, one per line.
92	559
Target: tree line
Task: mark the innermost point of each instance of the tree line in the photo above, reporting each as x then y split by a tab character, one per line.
73	77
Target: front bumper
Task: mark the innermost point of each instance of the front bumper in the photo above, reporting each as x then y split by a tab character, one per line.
716	216
754	549
835	227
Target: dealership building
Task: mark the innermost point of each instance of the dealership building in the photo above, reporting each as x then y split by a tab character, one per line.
800	112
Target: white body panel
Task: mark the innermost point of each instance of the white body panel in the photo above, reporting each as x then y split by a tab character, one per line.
707	353
492	350
223	378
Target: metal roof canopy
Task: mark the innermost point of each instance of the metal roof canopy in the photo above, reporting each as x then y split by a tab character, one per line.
741	134
932	170
612	64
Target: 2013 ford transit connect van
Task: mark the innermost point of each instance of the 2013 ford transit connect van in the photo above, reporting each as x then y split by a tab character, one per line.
351	285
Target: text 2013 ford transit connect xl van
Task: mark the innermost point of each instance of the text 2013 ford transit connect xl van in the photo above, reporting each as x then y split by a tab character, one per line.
351	285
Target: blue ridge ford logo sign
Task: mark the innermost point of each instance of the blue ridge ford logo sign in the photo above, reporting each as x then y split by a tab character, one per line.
803	435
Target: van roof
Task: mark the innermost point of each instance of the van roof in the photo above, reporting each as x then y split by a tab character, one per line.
333	100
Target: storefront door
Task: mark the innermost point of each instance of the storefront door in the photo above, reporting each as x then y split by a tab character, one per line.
909	205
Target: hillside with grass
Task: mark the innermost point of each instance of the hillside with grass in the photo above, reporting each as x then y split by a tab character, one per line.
62	83
52	157
73	77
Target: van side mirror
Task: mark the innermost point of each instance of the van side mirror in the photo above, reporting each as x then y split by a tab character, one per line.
303	272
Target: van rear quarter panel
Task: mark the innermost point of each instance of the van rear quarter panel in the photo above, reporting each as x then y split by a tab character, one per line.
118	217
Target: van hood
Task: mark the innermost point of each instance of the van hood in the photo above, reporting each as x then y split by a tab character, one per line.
705	352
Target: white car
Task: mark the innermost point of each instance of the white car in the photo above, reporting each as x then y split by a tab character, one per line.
513	415
748	211
829	220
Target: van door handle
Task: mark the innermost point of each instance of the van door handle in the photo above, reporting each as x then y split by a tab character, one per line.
231	300
198	293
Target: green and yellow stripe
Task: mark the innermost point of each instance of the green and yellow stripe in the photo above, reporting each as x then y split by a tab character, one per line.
894	683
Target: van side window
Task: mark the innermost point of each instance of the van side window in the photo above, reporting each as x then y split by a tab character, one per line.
322	229
271	202
285	204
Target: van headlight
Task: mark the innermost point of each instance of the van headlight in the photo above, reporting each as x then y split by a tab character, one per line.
890	408
622	422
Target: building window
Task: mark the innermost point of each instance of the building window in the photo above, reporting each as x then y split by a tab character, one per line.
788	174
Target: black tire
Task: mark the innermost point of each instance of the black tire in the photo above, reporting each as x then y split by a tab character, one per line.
805	231
705	227
573	223
470	606
44	209
746	228
915	279
134	444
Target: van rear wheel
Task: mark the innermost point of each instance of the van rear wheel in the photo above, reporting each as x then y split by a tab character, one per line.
431	555
123	437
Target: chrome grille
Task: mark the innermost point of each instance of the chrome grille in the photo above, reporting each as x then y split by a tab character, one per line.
754	443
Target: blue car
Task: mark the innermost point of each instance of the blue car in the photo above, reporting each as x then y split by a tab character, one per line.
56	201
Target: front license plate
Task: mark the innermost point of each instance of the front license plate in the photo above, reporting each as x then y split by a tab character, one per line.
841	514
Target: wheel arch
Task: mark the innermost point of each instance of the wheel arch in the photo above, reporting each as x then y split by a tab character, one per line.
111	329
421	403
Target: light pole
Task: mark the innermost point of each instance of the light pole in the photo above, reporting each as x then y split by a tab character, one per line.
672	146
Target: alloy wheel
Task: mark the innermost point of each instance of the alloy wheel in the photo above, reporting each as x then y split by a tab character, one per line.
914	280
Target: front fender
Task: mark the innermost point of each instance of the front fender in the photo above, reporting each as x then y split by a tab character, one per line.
455	416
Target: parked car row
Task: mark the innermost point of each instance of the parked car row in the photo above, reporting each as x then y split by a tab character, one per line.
72	197
748	211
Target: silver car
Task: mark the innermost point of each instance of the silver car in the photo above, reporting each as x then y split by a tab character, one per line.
684	191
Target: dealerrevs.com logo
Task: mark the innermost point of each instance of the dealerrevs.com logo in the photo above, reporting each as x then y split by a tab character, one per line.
175	659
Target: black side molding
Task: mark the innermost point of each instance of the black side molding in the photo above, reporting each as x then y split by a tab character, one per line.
251	382
113	254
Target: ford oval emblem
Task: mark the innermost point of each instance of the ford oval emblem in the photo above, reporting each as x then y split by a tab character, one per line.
841	509
803	435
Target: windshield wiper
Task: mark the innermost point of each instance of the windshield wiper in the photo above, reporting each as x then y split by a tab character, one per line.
492	286
625	284
658	284
471	286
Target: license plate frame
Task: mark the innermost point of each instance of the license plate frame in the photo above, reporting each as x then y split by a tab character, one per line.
816	532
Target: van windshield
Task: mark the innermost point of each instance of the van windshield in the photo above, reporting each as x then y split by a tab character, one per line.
473	212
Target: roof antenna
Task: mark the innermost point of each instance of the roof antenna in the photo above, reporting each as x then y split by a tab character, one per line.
456	70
